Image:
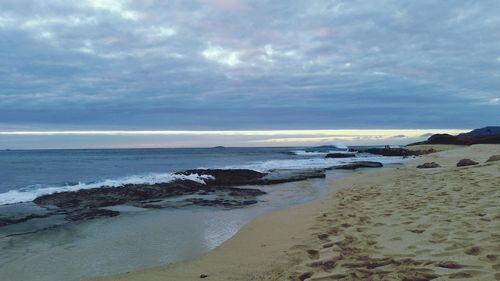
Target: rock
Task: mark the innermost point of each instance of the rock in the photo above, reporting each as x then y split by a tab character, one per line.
203	276
8	221
340	155
466	162
87	214
358	164
391	151
88	203
226	177
493	158
428	165
220	186
283	176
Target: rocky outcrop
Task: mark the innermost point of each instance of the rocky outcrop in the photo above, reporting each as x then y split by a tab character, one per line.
358	164
340	155
466	162
221	185
493	158
85	203
429	165
387	151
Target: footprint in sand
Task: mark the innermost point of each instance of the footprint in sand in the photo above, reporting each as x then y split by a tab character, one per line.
323	236
465	274
313	254
492	258
301	276
418	231
473	251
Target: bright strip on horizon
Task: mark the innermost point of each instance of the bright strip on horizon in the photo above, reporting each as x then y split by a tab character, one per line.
339	132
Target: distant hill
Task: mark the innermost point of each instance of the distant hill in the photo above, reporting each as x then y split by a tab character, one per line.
486	135
482	132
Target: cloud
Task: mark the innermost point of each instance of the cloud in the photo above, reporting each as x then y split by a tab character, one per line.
226	65
222	55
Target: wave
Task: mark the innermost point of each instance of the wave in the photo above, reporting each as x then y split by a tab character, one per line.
316	153
29	194
313	163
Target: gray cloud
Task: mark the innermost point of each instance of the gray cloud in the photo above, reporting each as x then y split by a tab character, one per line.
218	64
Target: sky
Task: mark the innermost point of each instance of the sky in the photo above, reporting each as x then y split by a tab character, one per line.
241	65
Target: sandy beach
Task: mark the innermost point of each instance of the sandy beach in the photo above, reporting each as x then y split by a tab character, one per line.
382	224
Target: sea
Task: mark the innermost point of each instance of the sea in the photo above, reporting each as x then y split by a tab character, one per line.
139	238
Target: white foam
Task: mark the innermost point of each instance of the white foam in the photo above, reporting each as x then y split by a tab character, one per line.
313	163
308	153
27	195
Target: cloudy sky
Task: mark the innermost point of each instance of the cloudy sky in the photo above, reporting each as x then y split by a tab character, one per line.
97	65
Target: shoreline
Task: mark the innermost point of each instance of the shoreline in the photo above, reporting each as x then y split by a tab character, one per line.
325	239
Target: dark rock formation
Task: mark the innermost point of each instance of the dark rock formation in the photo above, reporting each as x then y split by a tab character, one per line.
282	176
227	177
358	164
220	202
92	213
387	151
493	158
429	165
7	221
220	185
340	155
89	199
466	162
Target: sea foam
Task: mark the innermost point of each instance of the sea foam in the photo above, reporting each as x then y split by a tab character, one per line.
29	194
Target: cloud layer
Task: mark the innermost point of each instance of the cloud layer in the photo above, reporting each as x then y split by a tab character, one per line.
220	64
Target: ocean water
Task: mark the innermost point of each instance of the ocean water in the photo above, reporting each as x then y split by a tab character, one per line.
138	238
26	174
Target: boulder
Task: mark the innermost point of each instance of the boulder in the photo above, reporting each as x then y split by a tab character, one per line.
358	164
493	158
466	162
340	155
428	165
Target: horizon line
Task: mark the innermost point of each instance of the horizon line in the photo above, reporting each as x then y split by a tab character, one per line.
234	132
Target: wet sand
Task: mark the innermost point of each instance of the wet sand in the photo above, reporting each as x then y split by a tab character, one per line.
384	224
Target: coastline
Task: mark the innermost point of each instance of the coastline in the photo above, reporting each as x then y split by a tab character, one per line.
385	223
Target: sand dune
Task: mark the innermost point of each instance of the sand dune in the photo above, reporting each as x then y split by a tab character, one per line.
387	224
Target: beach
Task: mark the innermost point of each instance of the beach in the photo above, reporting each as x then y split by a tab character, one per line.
382	224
